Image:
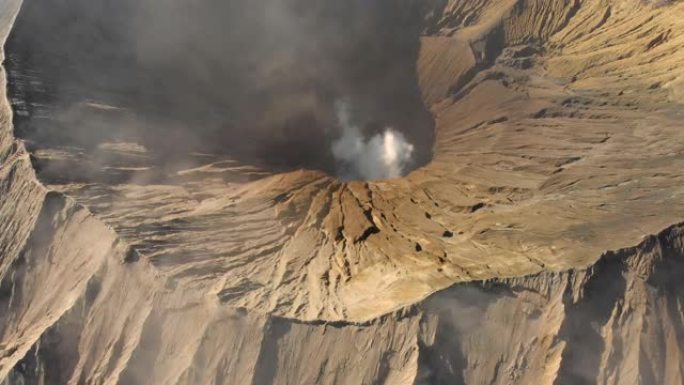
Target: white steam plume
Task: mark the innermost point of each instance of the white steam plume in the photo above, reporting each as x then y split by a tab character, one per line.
383	156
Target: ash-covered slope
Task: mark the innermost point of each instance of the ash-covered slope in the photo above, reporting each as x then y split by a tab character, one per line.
557	137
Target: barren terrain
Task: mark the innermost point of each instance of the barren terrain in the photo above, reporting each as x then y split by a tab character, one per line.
535	241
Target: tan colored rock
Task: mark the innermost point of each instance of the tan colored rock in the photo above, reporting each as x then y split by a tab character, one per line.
558	139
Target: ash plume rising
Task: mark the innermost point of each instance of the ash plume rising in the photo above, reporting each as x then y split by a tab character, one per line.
384	155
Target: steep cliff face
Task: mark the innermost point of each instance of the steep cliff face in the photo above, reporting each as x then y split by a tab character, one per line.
618	322
557	138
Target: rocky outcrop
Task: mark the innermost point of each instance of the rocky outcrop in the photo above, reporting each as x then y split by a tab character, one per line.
557	138
618	322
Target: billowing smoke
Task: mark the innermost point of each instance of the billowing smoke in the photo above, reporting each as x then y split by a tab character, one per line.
256	82
384	155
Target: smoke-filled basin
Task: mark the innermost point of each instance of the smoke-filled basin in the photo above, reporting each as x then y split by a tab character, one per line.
132	90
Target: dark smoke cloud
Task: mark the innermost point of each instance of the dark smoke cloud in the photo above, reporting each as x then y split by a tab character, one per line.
259	81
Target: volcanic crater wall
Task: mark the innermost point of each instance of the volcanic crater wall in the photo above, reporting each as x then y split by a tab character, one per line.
558	137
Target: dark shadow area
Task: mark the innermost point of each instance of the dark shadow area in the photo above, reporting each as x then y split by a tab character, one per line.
458	312
582	325
256	81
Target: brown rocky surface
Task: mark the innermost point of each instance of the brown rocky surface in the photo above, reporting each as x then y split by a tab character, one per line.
557	138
